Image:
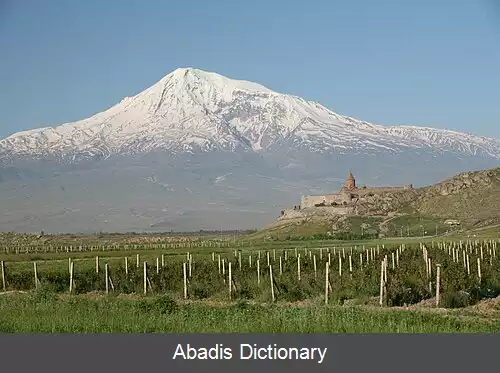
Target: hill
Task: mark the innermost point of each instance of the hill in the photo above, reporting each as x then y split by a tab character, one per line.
470	198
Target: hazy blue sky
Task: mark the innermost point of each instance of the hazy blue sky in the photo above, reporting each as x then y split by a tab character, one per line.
428	62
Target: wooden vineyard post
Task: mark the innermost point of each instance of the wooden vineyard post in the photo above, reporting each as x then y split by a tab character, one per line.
385	269
190	265
126	266
4	284
218	260
393	261
272	282
224	270
268	260
281	267
397	258
429	272
250	261
36	275
162	260
340	266
361	260
213	257
329	259
381	300
137	260
468	265
321	253
97	264
258	271
314	265
106	272
298	267
157	265
239	259
69	265
185	279
327	282
350	264
71	271
145	279
230	280
479	269
274	255
438	283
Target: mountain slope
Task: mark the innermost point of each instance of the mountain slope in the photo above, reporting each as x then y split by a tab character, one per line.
472	196
200	151
193	110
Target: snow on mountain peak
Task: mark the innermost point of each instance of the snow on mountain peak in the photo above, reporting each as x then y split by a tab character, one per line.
191	108
190	74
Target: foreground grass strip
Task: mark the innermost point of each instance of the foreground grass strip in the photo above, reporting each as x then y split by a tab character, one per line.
45	313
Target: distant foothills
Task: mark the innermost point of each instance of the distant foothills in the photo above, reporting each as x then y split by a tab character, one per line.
171	233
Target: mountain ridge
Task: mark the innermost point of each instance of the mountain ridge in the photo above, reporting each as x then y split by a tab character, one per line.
197	150
194	110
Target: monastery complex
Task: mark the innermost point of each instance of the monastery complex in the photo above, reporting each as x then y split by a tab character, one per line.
348	195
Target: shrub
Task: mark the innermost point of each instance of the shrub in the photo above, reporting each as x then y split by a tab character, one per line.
162	304
457	299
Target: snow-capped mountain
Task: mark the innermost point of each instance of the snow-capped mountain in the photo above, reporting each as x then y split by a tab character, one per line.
201	151
191	110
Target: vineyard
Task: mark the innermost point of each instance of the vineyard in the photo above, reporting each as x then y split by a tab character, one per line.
453	274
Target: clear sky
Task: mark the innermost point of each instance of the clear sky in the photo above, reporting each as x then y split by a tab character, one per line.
427	62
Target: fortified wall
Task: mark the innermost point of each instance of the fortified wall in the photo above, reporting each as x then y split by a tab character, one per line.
327	200
347	196
331	210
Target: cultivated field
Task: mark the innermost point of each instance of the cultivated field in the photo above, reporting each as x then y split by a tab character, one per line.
223	286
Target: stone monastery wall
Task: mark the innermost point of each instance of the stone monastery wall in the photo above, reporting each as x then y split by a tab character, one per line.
347	194
327	199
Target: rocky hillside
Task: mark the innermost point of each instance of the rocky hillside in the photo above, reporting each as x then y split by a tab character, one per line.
473	198
470	196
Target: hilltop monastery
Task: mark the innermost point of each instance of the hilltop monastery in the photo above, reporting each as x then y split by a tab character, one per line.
348	194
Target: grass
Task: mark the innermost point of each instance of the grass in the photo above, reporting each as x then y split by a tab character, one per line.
299	308
415	225
46	313
406	284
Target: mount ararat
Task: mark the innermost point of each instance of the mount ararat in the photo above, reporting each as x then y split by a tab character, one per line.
201	151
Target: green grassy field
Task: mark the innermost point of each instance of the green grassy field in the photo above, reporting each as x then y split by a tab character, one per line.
45	313
299	304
